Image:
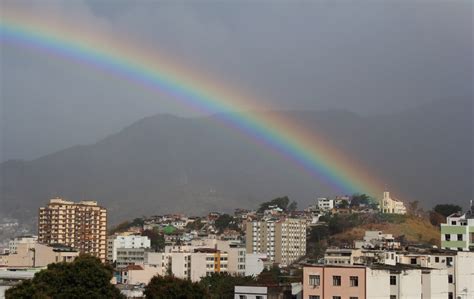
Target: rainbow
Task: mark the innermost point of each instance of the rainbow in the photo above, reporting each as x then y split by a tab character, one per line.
124	59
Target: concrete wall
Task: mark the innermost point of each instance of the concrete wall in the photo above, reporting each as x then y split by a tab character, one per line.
464	275
378	284
409	284
434	284
141	276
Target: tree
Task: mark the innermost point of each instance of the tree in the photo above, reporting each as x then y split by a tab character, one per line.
157	239
270	276
123	226
195	225
85	277
414	208
447	209
221	285
293	206
343	205
225	221
281	202
166	287
436	218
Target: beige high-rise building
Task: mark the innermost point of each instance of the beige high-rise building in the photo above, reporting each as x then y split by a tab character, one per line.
82	226
282	240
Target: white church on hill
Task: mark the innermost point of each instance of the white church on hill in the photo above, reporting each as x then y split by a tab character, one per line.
392	206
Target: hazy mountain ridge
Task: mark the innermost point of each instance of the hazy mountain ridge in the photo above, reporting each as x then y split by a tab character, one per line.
166	163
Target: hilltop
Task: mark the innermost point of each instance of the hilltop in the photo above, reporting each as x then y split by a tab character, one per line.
411	228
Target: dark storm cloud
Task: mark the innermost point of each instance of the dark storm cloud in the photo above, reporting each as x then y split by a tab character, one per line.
364	56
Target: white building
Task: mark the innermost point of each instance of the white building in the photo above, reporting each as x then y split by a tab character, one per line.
206	261
235	250
250	292
254	263
392	206
377	239
458	231
325	204
125	241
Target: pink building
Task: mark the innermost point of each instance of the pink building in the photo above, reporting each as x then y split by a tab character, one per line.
334	282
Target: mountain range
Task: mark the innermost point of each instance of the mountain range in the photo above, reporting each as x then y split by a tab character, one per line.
166	163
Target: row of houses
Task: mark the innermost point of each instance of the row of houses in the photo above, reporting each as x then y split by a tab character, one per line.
440	275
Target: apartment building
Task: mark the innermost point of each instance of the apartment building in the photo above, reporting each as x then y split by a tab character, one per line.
206	261
392	206
373	282
458	231
235	250
282	240
125	241
82	226
443	273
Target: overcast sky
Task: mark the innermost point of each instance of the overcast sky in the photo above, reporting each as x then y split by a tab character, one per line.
365	56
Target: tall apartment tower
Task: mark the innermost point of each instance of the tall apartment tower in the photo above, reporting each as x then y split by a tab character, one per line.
282	240
80	225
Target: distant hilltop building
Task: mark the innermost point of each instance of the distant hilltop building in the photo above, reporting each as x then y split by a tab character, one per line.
82	226
392	206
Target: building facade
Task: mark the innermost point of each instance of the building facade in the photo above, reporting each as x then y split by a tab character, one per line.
392	206
125	241
458	231
335	282
82	226
13	244
325	204
38	255
282	240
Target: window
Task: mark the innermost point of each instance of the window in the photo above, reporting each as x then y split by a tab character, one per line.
354	281
393	280
242	297
453	222
459	237
336	280
449	261
314	280
447	237
336	297
258	297
393	296
353	297
450	295
413	261
314	297
437	259
450	278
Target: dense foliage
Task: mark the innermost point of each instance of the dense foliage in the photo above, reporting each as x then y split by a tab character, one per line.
86	277
157	239
221	285
165	287
281	202
225	221
447	209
